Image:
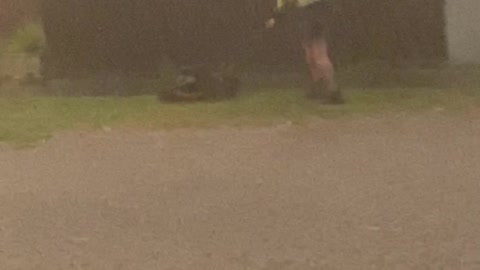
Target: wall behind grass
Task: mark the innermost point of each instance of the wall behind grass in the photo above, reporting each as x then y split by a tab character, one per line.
463	31
134	36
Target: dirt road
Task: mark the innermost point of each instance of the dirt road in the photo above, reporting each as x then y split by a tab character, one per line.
391	193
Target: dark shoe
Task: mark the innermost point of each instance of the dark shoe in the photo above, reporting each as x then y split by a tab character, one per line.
325	93
335	98
317	90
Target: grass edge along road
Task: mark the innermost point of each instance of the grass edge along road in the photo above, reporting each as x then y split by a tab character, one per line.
24	121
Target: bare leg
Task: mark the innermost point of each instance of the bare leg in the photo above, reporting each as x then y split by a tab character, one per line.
324	86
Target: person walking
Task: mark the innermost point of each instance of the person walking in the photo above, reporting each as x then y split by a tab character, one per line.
314	17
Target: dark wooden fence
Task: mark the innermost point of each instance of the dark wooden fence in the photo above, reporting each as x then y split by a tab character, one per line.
133	36
392	30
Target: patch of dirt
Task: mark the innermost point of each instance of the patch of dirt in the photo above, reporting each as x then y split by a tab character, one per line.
391	193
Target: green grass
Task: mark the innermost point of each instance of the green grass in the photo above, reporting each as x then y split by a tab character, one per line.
25	121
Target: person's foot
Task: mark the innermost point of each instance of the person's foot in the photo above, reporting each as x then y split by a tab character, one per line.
323	92
335	98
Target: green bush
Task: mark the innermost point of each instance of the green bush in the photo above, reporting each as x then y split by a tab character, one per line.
28	40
